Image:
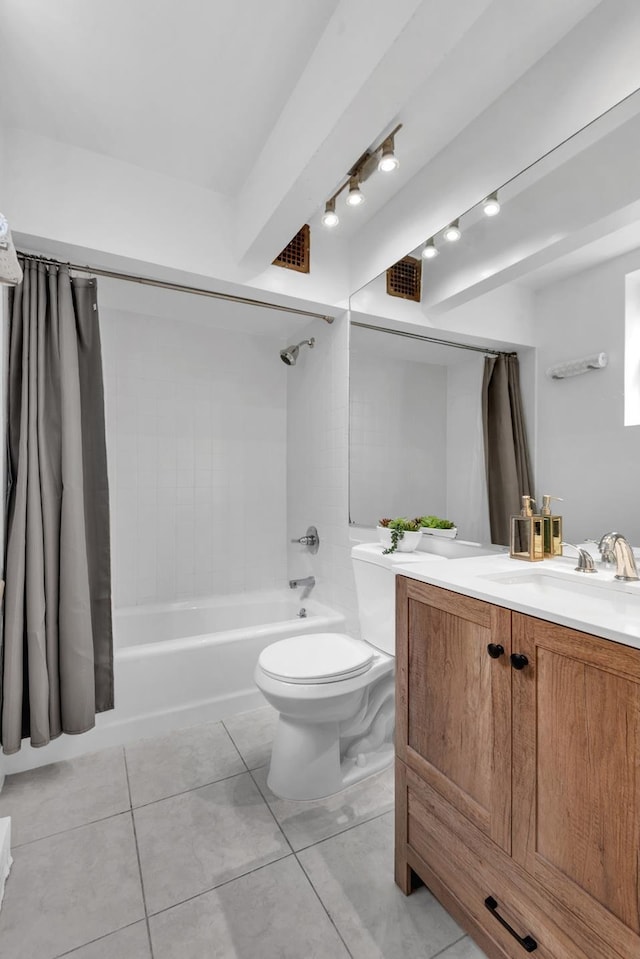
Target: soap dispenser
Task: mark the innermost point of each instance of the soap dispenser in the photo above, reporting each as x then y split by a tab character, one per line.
526	540
551	528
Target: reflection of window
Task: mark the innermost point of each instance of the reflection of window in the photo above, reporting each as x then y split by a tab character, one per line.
632	350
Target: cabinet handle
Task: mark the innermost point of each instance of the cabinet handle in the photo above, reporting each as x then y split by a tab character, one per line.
528	943
495	650
519	660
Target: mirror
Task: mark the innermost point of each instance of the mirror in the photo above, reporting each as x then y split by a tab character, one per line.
555	277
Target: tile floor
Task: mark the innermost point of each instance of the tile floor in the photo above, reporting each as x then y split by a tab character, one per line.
175	848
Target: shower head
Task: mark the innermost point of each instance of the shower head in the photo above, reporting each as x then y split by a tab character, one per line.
290	353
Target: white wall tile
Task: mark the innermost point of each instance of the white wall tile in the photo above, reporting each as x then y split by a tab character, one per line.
197	450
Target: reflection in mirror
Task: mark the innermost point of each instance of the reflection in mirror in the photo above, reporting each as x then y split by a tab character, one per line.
416	431
555	277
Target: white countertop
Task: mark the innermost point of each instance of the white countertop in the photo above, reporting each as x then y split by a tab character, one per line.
593	603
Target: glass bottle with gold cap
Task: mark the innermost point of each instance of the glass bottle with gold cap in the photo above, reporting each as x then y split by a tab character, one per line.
551	528
526	540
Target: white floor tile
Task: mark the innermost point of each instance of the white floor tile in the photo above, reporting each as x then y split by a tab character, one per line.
304	823
179	761
193	842
272	913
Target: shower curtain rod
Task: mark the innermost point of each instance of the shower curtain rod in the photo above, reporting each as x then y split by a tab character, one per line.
177	287
433	339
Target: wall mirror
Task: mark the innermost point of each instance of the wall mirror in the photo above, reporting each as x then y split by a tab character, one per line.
555	276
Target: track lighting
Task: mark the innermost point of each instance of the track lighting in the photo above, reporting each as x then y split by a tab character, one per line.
491	205
381	157
388	161
452	233
355	196
330	218
430	250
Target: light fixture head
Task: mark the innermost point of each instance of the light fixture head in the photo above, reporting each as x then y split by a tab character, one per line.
452	233
388	161
355	196
429	250
491	204
330	218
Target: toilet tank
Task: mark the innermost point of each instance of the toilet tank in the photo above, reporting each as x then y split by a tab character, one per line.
376	591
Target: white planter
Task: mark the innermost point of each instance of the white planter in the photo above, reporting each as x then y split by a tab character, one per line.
406	544
445	533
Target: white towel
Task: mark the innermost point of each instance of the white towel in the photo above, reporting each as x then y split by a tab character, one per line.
5	853
10	270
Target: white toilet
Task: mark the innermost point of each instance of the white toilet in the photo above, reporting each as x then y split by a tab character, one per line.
335	694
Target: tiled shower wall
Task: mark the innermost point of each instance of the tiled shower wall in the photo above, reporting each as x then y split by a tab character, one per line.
196	442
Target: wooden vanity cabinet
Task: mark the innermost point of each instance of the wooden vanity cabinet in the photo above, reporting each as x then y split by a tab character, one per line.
518	777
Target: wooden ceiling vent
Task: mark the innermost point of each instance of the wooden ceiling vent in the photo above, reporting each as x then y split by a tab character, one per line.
404	278
295	255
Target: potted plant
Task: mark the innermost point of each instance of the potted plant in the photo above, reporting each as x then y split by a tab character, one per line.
399	534
434	526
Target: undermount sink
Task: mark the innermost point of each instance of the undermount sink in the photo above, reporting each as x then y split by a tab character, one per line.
594	594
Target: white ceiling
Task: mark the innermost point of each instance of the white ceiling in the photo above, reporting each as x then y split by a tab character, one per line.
190	89
263	107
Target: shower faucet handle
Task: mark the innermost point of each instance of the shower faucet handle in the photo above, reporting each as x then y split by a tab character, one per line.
310	539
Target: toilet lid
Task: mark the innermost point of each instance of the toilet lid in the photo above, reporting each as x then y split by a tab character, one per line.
316	658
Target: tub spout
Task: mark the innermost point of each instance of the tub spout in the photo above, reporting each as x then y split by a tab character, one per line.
308	582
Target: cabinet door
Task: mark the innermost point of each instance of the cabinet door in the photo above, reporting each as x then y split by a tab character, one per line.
576	775
454	701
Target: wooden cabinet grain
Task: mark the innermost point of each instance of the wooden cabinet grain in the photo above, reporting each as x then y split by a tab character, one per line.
519	784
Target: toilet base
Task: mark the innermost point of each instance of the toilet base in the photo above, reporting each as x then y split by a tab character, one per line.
306	762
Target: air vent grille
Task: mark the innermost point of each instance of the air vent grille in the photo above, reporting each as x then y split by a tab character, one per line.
295	255
404	278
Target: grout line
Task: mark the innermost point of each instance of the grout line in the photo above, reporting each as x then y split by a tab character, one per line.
326	911
235	745
61	832
183	792
135	837
70	952
454	943
341	832
219	885
263	797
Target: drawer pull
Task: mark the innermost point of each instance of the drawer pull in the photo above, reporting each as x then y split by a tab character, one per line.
528	943
495	650
519	660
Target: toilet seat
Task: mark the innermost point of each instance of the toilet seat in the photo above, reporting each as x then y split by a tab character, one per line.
316	658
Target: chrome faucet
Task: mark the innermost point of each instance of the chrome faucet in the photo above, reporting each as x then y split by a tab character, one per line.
308	582
615	548
585	559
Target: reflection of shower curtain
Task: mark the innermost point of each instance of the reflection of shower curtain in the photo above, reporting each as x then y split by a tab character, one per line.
57	668
505	442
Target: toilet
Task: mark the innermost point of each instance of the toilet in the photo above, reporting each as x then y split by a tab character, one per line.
334	693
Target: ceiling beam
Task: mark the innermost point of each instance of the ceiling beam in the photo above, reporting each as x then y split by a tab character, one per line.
369	61
590	69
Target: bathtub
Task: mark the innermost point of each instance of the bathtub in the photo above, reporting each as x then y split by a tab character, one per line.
179	664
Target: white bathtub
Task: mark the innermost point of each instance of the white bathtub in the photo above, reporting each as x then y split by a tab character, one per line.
185	663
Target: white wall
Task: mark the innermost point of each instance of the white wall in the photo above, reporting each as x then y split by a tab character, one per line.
500	317
317	465
108	208
196	442
398	430
585	453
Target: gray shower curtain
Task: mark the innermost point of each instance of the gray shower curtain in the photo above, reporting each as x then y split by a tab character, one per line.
57	663
507	462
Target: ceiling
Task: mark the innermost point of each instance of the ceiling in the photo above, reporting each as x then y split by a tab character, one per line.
229	125
188	89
